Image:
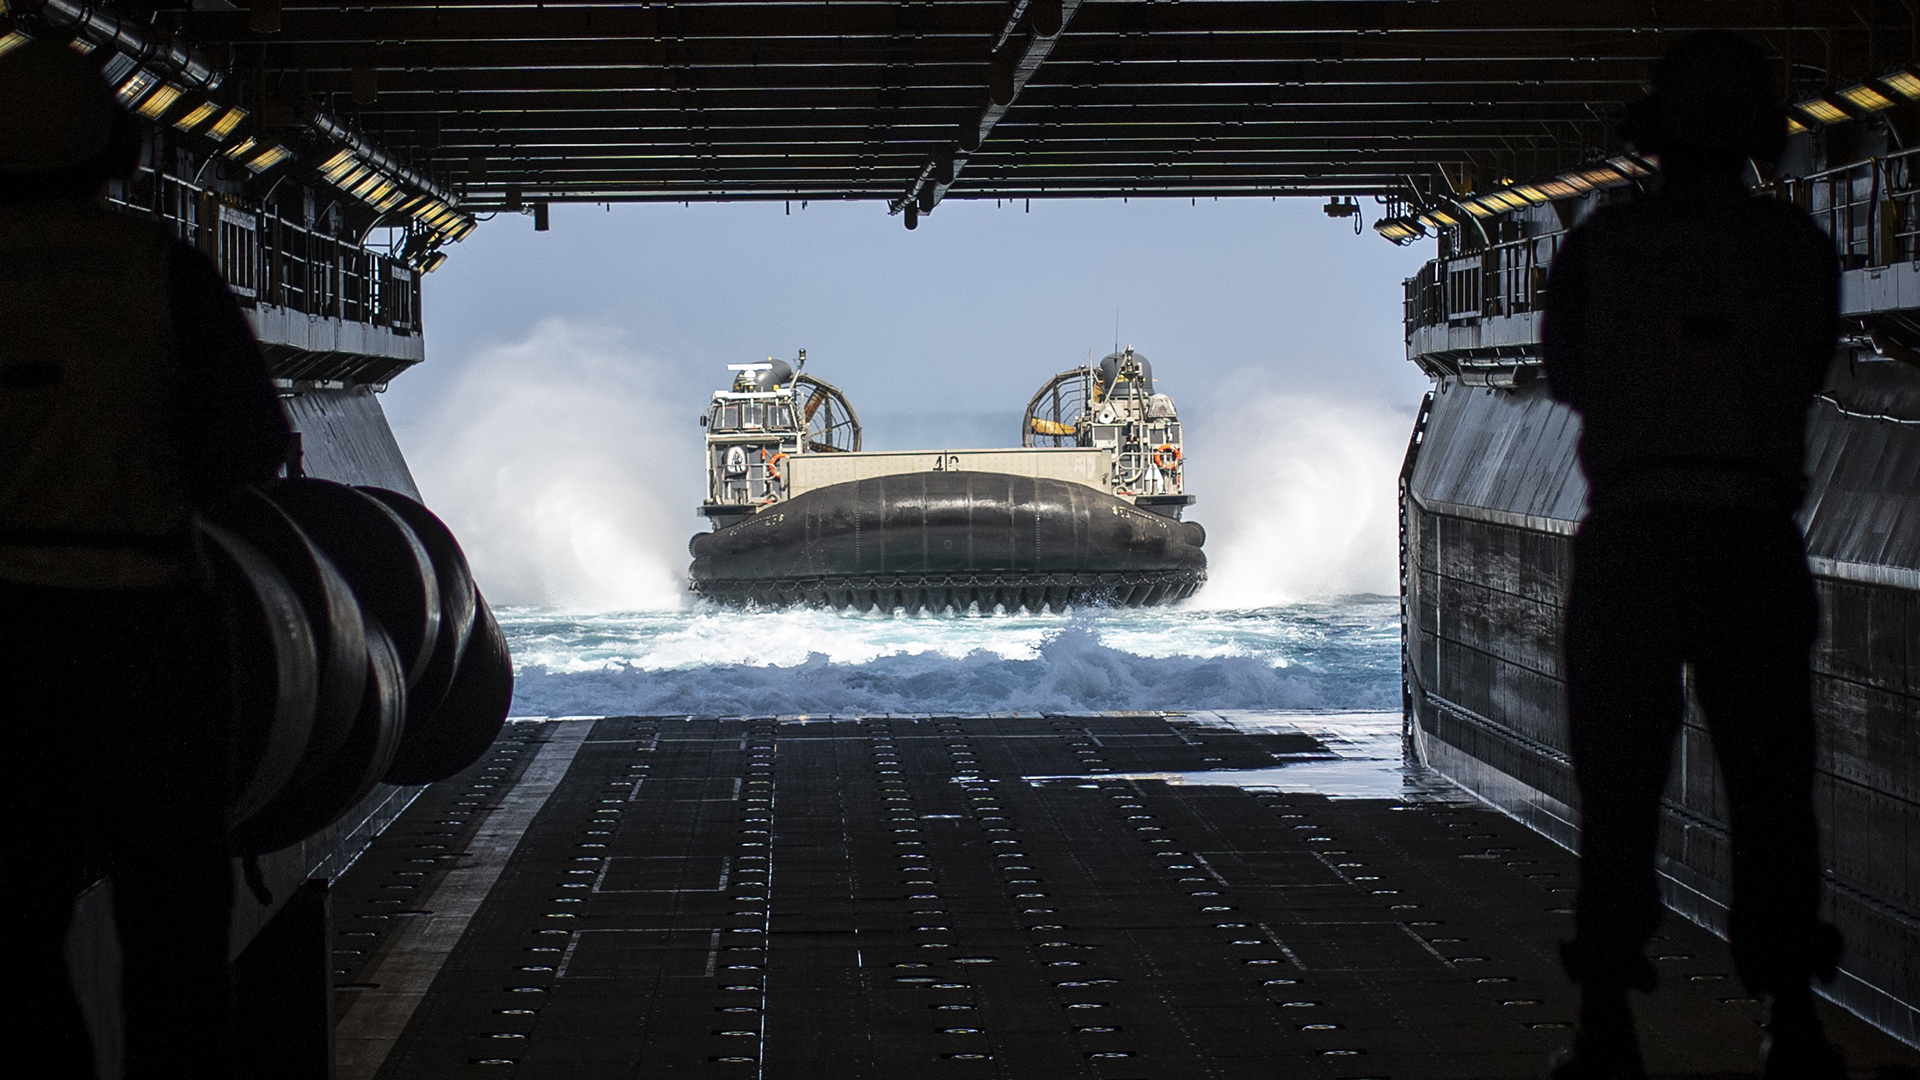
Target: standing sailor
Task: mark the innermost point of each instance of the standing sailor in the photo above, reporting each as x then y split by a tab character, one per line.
1690	331
130	391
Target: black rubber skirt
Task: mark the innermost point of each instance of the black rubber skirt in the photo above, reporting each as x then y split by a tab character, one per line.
950	540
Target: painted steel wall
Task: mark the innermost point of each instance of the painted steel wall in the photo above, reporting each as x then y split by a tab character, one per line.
1494	497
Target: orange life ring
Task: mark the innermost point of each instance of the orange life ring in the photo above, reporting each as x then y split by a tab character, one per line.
773	464
1167	457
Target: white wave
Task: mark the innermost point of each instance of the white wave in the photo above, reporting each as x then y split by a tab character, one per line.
1298	494
567	464
721	662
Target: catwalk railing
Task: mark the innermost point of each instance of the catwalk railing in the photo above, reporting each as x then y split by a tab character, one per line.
324	306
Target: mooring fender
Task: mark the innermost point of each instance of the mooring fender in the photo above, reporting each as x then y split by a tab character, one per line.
381	557
470	716
276	670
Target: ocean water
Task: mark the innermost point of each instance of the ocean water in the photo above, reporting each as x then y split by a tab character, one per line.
1337	654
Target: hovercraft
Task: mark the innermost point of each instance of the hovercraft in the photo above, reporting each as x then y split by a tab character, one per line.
1087	509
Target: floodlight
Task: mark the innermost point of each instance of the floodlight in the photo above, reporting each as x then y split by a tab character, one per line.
1824	111
196	116
272	156
224	126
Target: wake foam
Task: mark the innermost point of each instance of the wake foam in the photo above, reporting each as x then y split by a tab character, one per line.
1074	671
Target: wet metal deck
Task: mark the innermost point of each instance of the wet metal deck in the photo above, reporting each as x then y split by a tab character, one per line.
889	898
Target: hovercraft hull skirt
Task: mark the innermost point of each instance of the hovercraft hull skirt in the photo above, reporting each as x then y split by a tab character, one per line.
940	540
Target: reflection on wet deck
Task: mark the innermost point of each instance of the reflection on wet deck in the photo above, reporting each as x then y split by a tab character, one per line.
1114	896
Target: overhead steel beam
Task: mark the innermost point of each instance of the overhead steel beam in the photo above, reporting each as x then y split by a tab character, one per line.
1032	29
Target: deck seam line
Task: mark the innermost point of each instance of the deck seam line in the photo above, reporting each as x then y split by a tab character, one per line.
377	1018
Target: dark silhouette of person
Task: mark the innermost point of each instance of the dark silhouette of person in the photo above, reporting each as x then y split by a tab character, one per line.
131	390
1690	330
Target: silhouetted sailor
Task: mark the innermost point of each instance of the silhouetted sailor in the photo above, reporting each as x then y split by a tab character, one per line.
130	390
1690	330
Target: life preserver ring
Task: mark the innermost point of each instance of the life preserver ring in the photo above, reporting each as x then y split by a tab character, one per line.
1167	457
772	464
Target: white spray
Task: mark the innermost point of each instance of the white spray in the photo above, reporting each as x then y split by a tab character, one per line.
568	465
1297	493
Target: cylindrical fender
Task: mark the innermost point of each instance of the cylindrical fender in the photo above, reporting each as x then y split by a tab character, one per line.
455	580
333	614
382	558
276	670
470	717
312	801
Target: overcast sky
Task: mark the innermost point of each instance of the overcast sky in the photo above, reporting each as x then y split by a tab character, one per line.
553	423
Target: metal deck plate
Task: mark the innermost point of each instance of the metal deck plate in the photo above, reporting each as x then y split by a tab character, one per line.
893	897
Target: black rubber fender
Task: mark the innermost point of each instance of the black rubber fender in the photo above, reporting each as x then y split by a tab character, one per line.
457	599
276	670
333	614
470	717
381	557
312	801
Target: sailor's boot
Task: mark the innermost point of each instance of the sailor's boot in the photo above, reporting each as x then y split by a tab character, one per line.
1606	1046
1796	1046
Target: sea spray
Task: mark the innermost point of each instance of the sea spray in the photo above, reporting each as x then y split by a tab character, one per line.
1297	493
1339	654
569	465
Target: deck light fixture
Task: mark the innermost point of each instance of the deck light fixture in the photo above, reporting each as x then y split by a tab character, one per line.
268	158
12	41
338	165
158	102
1400	230
1560	189
432	262
224	126
1532	193
1826	112
239	150
1904	83
135	86
1866	98
196	116
1795	127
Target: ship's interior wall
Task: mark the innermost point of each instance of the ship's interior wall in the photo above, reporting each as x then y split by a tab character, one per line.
1492	502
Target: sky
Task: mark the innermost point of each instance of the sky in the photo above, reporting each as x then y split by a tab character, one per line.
565	370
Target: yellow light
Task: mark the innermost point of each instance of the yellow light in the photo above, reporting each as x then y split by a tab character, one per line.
1478	208
348	179
433	262
1531	193
194	117
158	102
1629	166
1824	111
367	183
1904	83
1396	228
11	42
390	200
1442	217
224	126
82	46
1795	127
136	85
378	191
1600	178
1559	189
336	166
274	155
461	230
1503	200
239	149
1867	98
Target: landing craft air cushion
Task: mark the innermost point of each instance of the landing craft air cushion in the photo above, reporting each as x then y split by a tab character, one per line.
1087	509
